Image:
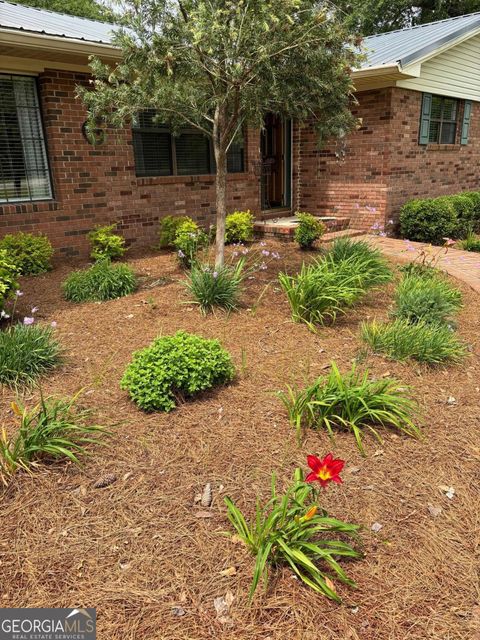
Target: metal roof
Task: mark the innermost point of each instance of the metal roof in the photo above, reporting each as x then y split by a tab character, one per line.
407	45
50	23
403	46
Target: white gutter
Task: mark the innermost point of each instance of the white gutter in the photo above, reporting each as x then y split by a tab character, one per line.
63	44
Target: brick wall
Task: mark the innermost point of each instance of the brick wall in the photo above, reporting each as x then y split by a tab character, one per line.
97	185
381	166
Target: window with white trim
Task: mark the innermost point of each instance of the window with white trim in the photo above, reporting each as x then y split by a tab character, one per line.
24	172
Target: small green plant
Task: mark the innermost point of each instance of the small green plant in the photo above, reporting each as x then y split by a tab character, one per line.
189	240
168	230
105	243
174	368
368	264
430	299
101	281
471	242
220	287
53	430
419	270
309	230
8	279
352	402
31	254
423	341
239	227
26	353
293	531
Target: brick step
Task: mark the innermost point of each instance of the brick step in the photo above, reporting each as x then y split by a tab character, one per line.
284	228
343	233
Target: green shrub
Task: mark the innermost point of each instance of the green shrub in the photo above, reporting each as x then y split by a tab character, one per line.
351	402
428	220
309	230
8	278
471	242
423	341
419	270
365	261
291	530
26	353
219	287
464	208
32	254
174	368
426	299
239	227
189	240
168	230
475	199
105	243
101	281
52	430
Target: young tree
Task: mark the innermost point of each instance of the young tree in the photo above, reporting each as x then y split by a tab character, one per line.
219	65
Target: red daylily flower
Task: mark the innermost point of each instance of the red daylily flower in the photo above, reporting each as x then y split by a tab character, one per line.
326	470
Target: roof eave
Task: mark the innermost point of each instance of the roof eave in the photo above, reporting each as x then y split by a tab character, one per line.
68	45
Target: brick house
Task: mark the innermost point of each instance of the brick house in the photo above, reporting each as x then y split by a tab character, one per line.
418	97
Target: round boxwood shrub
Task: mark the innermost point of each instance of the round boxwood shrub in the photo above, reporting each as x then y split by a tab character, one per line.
32	254
102	281
8	278
309	230
106	244
174	368
239	227
428	220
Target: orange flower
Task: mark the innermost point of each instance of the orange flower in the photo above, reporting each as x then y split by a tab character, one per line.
326	470
310	513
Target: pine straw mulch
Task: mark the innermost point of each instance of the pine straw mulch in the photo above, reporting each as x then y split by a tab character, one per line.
137	550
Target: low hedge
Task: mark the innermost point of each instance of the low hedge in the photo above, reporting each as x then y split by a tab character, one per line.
433	219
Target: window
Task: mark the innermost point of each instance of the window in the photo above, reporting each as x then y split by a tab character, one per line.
159	153
443	120
24	173
440	117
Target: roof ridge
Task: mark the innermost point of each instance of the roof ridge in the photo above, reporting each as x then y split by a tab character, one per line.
419	26
56	13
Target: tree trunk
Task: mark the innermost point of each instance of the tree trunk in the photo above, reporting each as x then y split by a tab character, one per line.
219	147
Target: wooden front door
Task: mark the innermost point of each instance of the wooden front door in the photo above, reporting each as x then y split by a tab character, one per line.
276	163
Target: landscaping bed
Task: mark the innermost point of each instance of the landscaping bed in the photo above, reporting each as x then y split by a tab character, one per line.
152	560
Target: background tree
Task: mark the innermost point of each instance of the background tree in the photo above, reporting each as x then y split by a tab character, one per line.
219	65
377	16
82	8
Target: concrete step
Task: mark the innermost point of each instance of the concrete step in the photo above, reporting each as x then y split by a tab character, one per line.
283	228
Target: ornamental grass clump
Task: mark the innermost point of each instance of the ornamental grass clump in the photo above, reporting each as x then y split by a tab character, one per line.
471	242
368	264
321	291
26	353
174	368
351	402
102	281
215	287
292	530
52	430
432	343
31	254
432	300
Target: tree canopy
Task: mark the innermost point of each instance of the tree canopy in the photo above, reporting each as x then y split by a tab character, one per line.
219	65
82	8
377	16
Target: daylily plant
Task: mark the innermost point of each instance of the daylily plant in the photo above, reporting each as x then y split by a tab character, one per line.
292	530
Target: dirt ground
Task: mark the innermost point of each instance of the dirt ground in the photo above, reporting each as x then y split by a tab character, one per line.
137	550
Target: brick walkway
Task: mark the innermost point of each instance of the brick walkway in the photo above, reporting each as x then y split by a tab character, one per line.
464	265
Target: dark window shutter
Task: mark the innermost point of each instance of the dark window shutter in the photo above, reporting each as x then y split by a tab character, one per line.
193	154
425	118
467	115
